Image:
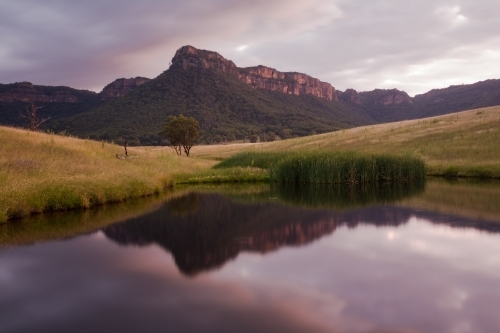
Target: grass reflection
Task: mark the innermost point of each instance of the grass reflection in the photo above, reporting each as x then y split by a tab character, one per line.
60	225
472	199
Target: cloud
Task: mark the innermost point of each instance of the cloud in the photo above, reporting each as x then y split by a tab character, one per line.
357	44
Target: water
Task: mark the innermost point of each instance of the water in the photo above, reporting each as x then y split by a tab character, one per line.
253	260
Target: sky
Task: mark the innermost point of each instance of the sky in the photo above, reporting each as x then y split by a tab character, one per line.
411	45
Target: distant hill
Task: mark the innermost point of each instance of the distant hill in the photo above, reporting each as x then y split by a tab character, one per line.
56	102
458	98
229	102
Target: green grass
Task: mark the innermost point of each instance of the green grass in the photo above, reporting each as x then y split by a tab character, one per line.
226	175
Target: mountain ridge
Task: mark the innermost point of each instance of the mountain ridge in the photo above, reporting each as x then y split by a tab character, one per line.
260	76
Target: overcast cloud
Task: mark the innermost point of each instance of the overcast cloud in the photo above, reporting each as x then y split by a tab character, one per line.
413	45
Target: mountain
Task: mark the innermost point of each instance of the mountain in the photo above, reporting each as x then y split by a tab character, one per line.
229	102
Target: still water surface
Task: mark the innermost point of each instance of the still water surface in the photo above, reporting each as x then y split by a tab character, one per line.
255	262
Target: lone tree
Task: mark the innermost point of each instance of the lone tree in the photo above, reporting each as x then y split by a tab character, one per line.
30	114
182	133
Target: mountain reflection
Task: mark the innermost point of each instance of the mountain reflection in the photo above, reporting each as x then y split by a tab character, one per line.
203	231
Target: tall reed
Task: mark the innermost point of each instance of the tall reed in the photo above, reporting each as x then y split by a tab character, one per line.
347	167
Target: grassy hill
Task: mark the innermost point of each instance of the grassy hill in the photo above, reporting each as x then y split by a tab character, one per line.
464	143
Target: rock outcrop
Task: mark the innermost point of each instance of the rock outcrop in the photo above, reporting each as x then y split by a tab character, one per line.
395	97
384	97
260	77
120	87
27	92
350	96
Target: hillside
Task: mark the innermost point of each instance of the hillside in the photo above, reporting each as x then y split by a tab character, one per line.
389	105
43	172
458	98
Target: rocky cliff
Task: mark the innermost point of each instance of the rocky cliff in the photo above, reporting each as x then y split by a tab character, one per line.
260	77
120	87
350	96
392	96
375	97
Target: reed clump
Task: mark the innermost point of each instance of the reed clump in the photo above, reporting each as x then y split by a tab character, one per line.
347	168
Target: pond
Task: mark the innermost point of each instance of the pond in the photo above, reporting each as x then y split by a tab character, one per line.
248	259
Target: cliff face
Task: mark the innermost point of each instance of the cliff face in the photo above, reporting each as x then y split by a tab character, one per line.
27	92
120	87
350	95
395	97
381	97
385	97
258	77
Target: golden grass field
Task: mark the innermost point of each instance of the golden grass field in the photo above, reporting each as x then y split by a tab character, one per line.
45	172
40	172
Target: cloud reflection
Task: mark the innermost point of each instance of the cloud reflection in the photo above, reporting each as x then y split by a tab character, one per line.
350	280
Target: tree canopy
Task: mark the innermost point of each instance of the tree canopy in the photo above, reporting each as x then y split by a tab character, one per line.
182	133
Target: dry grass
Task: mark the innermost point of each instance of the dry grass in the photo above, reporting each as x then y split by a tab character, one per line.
45	172
463	144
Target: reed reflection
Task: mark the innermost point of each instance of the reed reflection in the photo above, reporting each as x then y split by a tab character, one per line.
345	196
